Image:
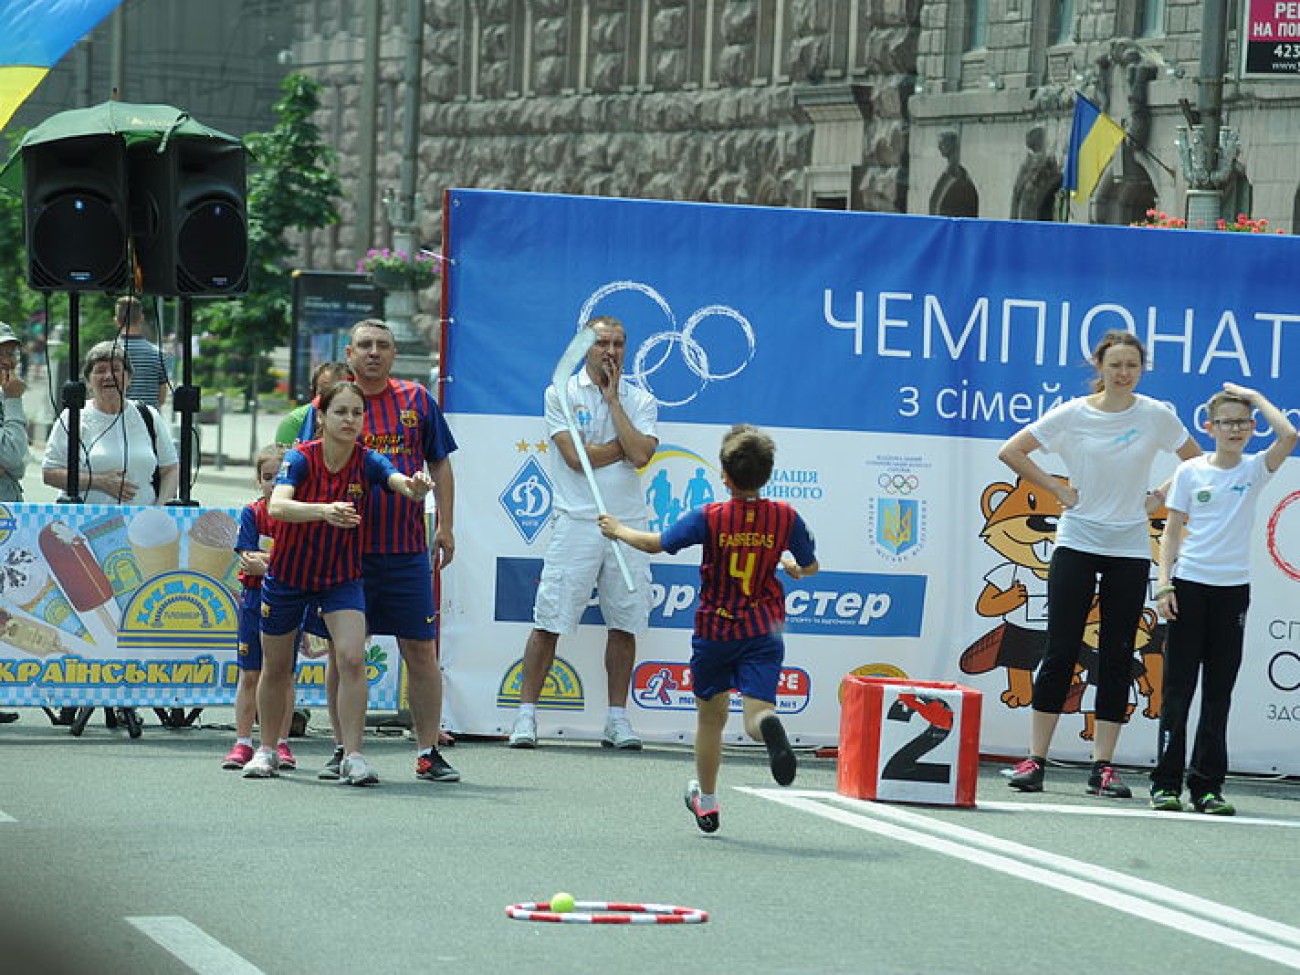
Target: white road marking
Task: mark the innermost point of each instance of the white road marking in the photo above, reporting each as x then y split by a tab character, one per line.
1132	812
1175	909
194	946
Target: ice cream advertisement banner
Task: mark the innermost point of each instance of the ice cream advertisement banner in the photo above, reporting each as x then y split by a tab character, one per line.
889	356
131	606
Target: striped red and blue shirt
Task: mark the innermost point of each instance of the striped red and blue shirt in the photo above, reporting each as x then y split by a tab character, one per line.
743	541
315	555
404	423
255	524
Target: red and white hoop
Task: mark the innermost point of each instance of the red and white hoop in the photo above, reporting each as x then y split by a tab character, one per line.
607	912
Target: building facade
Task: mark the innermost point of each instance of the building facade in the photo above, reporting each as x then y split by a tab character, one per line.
953	107
994	94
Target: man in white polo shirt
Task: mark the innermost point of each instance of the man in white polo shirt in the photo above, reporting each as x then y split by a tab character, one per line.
617	422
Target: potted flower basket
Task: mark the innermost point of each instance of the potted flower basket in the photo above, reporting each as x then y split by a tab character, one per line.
395	270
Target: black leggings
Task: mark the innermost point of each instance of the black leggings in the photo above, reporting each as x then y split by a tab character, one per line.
1121	585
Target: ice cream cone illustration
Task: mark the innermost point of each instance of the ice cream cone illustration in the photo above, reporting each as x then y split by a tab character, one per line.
212	546
156	541
80	577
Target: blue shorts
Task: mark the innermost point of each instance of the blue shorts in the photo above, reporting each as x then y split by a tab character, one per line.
399	595
249	655
283	607
752	666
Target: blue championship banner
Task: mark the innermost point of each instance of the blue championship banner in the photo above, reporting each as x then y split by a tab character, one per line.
112	605
889	356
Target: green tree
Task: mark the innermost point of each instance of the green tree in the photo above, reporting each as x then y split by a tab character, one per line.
292	187
16	302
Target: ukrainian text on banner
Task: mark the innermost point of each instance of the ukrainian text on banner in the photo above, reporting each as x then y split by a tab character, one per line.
889	356
116	605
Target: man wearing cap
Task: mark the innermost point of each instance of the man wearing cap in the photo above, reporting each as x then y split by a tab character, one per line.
13	434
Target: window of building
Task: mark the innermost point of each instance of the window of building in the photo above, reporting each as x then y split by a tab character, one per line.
1060	25
764	30
976	28
1151	18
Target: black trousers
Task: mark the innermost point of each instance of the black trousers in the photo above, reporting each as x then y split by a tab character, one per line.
1206	641
1073	579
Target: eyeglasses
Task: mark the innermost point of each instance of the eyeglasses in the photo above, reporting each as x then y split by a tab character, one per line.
1234	424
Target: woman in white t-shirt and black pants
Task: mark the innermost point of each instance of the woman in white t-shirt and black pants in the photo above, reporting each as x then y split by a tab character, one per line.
1108	442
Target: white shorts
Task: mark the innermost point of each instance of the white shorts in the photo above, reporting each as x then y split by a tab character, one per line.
578	559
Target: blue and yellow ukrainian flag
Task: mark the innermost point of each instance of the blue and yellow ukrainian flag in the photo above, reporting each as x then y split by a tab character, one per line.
1094	137
34	35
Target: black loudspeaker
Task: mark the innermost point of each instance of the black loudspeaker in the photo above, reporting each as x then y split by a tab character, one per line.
76	214
188	221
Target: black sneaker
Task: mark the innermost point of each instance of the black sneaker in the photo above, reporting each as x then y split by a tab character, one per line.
1166	800
1105	782
780	755
331	769
706	821
434	768
1027	776
1213	804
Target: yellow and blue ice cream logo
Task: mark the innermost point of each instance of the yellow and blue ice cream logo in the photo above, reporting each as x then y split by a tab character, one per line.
8	524
561	692
180	611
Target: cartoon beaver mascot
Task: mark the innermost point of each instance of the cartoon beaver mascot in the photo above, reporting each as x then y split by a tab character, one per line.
1020	525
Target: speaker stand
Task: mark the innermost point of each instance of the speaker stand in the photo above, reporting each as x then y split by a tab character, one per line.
185	400
73	396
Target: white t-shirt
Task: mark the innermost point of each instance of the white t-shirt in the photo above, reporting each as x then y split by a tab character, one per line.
1032	615
620	485
110	443
1220	508
1108	458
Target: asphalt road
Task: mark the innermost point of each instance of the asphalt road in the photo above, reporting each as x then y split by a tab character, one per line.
143	856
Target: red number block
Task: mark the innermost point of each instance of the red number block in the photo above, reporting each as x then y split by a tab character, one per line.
909	741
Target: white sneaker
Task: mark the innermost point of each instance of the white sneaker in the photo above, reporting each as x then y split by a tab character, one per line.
262	765
524	733
619	734
357	771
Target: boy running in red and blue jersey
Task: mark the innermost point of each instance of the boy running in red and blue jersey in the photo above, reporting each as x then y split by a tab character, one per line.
737	641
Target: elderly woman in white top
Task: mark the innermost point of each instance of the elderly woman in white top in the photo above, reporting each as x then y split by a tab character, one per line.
118	456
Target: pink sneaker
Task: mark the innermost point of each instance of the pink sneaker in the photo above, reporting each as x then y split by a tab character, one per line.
239	756
287	761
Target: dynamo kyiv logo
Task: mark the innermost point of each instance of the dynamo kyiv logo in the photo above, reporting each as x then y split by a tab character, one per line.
528	499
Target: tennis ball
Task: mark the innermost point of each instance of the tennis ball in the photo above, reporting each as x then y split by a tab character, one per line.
562	903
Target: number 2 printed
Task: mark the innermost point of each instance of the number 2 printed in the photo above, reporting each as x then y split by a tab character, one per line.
904	765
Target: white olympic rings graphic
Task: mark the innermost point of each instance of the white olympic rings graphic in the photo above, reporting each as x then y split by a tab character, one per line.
694	356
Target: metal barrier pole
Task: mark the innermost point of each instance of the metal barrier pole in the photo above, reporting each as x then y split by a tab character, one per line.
221	431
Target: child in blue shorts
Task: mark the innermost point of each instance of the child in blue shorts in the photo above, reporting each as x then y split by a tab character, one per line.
737	641
256	531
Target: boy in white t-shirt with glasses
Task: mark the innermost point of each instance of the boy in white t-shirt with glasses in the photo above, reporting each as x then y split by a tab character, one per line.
1204	591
